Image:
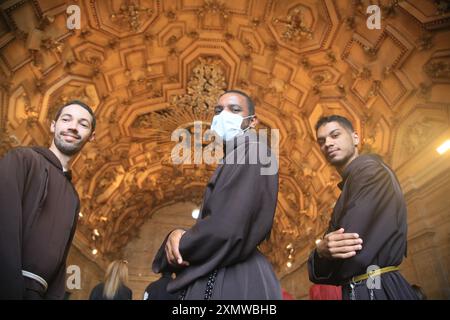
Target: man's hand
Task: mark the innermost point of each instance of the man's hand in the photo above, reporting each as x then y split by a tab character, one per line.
339	245
172	248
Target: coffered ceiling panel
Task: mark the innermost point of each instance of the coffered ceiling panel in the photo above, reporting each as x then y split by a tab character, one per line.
149	67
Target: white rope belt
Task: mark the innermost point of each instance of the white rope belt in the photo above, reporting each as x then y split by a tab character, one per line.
35	277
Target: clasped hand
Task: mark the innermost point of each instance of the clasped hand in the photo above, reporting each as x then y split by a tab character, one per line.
172	249
339	245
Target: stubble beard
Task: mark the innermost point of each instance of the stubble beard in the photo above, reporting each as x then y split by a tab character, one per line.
66	148
341	163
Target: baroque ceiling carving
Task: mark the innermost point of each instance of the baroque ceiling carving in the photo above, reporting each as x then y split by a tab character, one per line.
149	67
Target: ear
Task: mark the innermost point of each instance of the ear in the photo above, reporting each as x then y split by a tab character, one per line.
253	122
52	127
92	137
355	138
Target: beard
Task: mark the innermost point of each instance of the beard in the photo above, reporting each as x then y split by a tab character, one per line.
69	149
343	160
338	162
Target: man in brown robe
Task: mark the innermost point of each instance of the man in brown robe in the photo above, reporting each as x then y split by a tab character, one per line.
368	227
218	258
39	208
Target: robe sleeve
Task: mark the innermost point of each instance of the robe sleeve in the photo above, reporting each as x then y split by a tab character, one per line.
242	206
322	271
129	294
242	211
371	210
57	286
160	262
13	172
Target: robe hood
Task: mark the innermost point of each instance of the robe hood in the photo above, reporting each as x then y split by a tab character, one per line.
53	159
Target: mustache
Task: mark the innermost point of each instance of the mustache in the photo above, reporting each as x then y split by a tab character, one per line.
68	133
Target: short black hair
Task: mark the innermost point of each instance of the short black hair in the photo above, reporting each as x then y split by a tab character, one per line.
81	104
335	118
250	103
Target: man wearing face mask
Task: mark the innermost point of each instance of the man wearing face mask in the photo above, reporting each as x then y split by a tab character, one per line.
218	258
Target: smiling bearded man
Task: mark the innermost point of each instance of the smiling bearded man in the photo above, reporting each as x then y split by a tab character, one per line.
39	208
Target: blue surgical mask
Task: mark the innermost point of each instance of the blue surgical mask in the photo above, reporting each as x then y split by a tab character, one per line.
228	125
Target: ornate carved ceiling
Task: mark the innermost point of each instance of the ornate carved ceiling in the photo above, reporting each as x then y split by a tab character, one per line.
149	67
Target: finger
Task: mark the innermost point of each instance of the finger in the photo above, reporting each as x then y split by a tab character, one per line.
169	254
343	236
176	252
339	231
344	243
345	249
344	255
178	258
172	249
